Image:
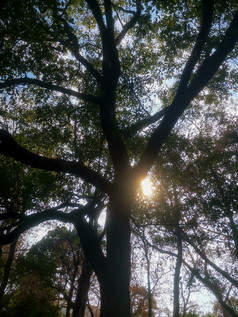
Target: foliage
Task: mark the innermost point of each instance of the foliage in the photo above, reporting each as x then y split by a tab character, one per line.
139	298
89	98
56	263
194	191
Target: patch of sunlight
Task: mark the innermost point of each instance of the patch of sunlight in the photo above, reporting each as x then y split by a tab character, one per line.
147	187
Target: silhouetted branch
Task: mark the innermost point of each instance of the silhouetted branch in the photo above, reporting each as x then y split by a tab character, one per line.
183	98
213	265
9	147
211	64
207	8
94	6
130	24
140	125
73	46
50	86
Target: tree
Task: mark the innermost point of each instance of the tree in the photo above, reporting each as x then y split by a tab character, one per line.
76	61
218	311
18	193
57	262
190	216
140	302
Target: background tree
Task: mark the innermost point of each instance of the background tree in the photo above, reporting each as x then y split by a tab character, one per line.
188	200
18	193
57	259
56	267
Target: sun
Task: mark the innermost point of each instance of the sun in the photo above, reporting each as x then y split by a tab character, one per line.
146	185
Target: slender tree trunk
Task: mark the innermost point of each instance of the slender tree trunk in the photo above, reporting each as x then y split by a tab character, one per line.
82	292
177	273
69	304
148	276
234	231
149	292
7	268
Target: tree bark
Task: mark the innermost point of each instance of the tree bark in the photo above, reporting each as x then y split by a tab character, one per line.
177	273
115	281
82	292
113	270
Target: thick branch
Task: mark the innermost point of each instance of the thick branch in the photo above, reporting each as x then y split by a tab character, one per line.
159	135
183	98
34	220
9	147
209	67
91	246
111	72
130	24
108	13
82	290
198	47
40	83
140	125
73	46
94	6
177	272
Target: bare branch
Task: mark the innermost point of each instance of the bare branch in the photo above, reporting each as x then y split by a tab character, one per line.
40	83
9	147
213	265
213	288
118	16
207	282
115	6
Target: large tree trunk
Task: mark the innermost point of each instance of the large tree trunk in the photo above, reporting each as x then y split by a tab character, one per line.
113	270
115	282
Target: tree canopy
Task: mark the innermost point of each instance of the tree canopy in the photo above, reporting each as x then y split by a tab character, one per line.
90	92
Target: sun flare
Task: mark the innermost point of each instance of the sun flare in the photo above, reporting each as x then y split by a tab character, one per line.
146	185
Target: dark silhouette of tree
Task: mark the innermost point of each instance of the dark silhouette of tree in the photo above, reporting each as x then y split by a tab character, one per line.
68	64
